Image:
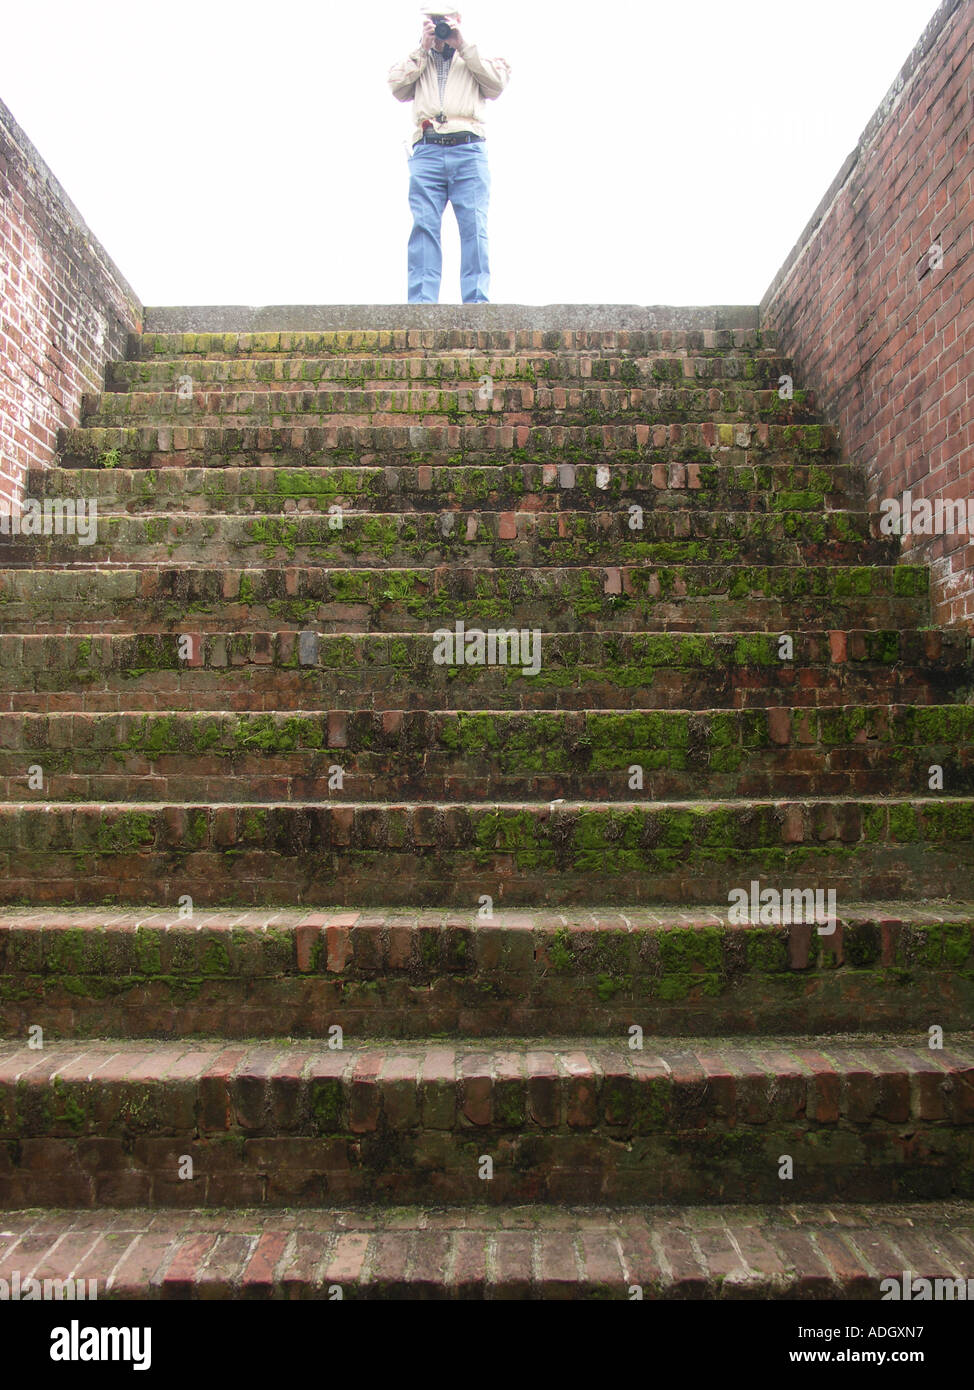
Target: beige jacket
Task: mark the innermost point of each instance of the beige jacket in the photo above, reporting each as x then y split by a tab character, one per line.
471	83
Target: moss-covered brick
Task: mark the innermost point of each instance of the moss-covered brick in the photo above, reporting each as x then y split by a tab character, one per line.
767	950
325	1099
124	832
862	945
688	951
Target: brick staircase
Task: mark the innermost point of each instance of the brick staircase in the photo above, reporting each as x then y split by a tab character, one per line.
268	812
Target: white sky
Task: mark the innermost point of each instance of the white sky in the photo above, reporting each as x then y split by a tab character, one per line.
230	152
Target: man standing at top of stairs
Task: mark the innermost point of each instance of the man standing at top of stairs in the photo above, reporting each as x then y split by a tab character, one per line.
448	83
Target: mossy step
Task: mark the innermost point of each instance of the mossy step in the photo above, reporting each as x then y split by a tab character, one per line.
512	741
455	853
542	368
507	404
422	599
650	1127
108	972
540	1251
459	443
483	756
523	539
421	341
281	670
683	480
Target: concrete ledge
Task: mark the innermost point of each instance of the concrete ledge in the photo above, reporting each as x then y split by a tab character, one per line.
498	317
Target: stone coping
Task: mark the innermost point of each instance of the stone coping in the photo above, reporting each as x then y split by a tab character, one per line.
494	317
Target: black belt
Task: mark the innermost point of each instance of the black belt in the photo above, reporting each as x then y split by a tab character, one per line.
450	139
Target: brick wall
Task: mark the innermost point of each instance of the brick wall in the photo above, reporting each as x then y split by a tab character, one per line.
65	310
884	338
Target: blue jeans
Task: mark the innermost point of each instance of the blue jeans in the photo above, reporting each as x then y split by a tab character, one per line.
441	174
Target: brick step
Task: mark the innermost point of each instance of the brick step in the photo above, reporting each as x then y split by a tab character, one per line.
261	671
421	342
639	599
192	446
679	484
481	756
507	404
107	972
445	369
523	539
808	1252
288	1123
714	613
452	854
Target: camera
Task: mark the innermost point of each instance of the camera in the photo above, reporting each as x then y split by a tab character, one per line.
442	30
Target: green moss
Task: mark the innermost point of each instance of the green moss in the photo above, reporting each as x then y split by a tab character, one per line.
896	977
854	583
606	841
885	647
862	945
274	533
472	734
399	588
326	1105
512	832
147	950
65	1107
16	992
66	951
76	985
607	988
154	530
928	943
153	737
767	951
561	955
196	830
727	760
509	1107
904	825
429	950
272	735
651	1105
615	1100
804	501
949	822
911	581
125	833
956	944
216	958
685	949
255	826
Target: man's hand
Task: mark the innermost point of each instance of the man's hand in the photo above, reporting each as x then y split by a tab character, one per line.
429	39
